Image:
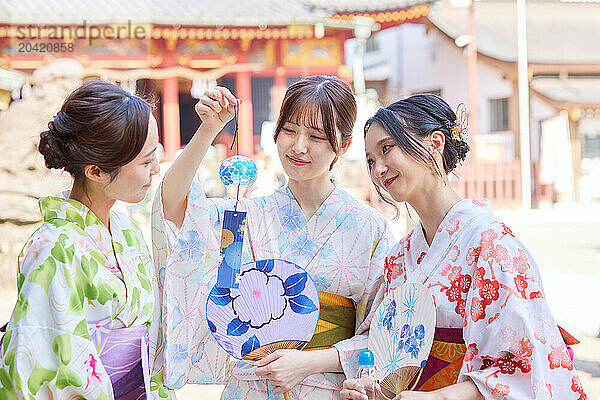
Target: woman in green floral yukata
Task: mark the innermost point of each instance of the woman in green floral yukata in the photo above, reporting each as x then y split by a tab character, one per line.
83	323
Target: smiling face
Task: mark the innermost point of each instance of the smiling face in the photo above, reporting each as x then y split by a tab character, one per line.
314	126
392	169
135	178
304	150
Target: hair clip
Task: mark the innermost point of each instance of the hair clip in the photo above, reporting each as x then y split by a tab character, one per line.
459	128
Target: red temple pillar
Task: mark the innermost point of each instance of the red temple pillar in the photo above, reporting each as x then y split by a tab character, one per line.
170	109
280	82
243	91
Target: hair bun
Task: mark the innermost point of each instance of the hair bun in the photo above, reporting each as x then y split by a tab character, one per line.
462	148
52	148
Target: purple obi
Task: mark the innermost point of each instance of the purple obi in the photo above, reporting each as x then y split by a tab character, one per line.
124	355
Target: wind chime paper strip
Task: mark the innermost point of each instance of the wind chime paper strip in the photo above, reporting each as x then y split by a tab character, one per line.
232	238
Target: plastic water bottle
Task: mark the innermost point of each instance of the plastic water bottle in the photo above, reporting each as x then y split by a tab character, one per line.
366	364
366	371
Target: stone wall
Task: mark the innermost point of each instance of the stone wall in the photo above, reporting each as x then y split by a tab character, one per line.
23	176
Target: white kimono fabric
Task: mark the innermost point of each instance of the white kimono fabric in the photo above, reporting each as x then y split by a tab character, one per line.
342	247
484	281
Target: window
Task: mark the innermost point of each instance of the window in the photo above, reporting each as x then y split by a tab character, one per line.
591	147
499	115
373	44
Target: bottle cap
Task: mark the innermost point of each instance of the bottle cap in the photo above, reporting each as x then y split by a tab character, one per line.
366	358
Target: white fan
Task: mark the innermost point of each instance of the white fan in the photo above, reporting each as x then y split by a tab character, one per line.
401	336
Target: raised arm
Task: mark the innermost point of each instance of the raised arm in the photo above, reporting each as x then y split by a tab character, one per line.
216	107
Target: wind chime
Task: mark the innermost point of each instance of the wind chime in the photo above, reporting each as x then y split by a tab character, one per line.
240	171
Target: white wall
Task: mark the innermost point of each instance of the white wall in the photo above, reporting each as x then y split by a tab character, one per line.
420	61
431	61
539	111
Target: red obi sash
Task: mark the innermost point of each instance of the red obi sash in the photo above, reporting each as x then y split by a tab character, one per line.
446	357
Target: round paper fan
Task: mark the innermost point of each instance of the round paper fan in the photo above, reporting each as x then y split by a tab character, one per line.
401	336
275	307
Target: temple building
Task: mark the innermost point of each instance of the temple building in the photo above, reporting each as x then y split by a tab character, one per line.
171	51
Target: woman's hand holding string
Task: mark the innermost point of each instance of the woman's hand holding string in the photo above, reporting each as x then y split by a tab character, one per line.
216	107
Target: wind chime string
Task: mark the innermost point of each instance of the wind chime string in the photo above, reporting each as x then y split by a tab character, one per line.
236	141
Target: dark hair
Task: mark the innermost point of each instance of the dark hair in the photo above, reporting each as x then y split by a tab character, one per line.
99	124
410	120
320	98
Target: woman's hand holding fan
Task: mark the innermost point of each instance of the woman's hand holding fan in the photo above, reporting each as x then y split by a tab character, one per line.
401	336
276	307
288	368
285	368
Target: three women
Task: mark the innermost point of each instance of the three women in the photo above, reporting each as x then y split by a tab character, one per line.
86	290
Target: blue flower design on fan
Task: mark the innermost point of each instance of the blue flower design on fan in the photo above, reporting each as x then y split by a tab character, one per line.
238	170
411	345
281	294
272	298
405	331
250	345
389	315
419	331
260	285
412	339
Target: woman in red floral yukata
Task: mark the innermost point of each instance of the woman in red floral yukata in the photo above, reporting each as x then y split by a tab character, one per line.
495	336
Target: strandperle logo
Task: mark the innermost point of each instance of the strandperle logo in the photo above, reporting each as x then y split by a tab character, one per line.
83	31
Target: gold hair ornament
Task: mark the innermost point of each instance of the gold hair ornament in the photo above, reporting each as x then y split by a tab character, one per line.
459	129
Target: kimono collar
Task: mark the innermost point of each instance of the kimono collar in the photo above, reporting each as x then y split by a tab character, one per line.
466	209
459	216
285	192
423	260
62	207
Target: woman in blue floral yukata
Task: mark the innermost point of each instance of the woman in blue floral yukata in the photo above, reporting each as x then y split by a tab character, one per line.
311	222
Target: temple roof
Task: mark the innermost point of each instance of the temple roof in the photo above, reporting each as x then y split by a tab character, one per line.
358	6
189	12
558	32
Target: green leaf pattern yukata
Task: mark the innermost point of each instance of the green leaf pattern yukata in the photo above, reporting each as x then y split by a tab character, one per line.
76	283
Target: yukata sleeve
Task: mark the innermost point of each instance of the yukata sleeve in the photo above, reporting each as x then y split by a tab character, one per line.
514	348
184	262
348	349
47	351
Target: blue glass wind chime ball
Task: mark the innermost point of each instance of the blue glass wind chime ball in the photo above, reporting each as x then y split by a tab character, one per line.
238	170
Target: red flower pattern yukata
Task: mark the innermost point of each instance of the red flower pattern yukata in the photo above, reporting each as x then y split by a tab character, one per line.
485	282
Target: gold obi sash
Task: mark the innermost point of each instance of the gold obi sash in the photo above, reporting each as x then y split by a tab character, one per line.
337	319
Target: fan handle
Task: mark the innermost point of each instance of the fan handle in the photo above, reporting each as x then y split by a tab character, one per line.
271	348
